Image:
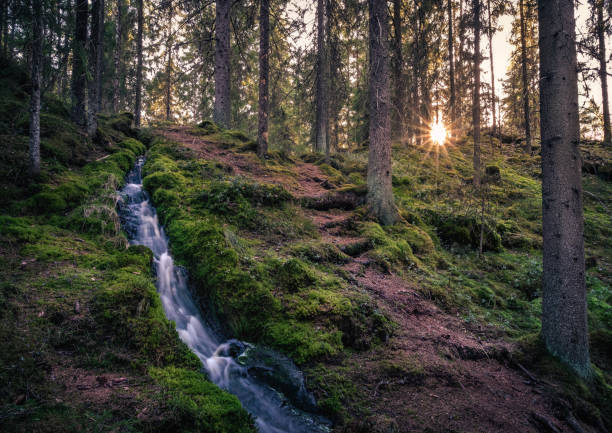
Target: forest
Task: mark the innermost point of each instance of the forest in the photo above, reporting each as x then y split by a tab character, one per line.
292	216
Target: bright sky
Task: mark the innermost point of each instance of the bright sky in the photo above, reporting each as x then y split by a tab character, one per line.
501	45
502	52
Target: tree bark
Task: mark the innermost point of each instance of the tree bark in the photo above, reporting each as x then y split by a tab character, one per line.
603	72
397	118
451	68
95	60
79	65
564	307
524	77
493	111
380	192
169	43
264	51
322	82
222	64
118	54
4	25
476	94
100	54
138	99
34	151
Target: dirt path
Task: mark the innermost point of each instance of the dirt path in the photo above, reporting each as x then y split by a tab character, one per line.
435	374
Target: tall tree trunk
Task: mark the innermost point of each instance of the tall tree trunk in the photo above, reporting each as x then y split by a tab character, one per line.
95	59
564	307
463	70
451	68
524	77
138	102
64	78
4	25
100	54
380	192
322	82
476	97
79	65
397	125
118	54
493	111
264	51
169	43
222	63
603	72
35	94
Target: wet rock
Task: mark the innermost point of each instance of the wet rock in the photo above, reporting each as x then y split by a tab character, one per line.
279	372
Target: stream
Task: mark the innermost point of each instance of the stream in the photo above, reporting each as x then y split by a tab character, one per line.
240	368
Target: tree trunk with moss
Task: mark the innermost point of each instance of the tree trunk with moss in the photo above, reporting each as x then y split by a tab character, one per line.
564	306
380	192
222	64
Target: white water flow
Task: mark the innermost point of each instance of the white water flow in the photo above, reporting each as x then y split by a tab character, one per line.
270	408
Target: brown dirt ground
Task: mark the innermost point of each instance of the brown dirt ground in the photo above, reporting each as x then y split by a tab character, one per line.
465	383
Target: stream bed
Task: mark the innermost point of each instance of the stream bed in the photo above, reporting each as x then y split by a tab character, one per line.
268	384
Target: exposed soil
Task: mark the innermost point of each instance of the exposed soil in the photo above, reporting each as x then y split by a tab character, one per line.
461	382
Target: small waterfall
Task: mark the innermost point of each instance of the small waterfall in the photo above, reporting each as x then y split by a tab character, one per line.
271	409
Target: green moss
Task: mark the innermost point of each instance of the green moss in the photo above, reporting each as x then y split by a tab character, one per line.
209	127
387	252
196	405
301	340
48	202
130	311
165	180
133	145
319	252
292	275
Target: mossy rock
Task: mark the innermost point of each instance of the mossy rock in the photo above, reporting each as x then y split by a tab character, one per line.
131	312
464	230
195	404
164	180
48	202
133	145
209	127
319	252
293	275
123	122
387	250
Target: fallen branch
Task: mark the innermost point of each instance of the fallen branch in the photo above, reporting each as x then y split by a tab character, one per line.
574	424
527	373
541	420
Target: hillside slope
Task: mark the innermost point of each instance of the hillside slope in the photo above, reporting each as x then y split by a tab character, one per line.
402	328
85	344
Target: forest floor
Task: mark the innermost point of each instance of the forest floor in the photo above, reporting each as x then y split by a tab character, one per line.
437	372
403	328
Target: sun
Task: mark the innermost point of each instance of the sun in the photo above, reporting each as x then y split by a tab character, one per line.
438	133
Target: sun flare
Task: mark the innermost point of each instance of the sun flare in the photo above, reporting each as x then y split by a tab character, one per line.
438	132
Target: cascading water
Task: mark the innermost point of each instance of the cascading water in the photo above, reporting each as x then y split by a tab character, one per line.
271	409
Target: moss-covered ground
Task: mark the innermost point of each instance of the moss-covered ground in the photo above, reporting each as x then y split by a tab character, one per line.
85	343
400	328
248	232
